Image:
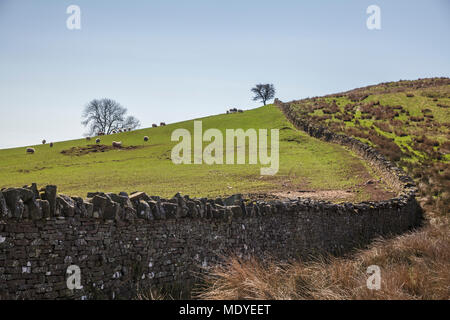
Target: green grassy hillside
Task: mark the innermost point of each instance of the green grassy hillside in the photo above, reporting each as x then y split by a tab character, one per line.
408	121
305	163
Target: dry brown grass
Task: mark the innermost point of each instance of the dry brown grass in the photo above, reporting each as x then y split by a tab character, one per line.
151	294
413	266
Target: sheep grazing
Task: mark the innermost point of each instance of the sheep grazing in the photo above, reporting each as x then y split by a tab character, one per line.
97	140
113	132
162	124
30	150
43	141
116	144
120	130
88	138
100	133
240	111
154	125
51	144
145	138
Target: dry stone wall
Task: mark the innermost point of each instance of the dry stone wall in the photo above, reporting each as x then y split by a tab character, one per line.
124	242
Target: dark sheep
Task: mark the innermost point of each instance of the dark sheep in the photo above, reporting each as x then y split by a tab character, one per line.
162	124
51	144
43	141
30	150
145	138
97	140
154	125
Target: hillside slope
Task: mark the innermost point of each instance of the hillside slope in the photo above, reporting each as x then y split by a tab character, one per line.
306	164
409	122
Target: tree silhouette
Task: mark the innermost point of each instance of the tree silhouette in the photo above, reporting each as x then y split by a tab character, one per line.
263	92
106	115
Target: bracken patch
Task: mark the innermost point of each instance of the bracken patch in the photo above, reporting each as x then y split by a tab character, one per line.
94	148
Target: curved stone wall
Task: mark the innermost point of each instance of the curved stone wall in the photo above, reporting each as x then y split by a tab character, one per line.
123	242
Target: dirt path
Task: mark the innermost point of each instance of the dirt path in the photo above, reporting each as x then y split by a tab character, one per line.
331	195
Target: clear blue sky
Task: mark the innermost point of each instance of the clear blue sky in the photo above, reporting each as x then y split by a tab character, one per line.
176	60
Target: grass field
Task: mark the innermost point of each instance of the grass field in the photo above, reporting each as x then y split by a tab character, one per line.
305	163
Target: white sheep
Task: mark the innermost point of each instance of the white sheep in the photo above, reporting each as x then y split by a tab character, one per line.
117	144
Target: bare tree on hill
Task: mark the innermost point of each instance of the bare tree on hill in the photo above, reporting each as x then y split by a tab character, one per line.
263	92
105	116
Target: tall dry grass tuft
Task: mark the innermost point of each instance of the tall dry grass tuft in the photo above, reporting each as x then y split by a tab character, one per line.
413	266
151	294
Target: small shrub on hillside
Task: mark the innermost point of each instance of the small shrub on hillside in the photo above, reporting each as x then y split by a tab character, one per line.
416	119
383	126
331	109
400	132
349	107
445	147
356	132
427	141
396	122
386	146
355	97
